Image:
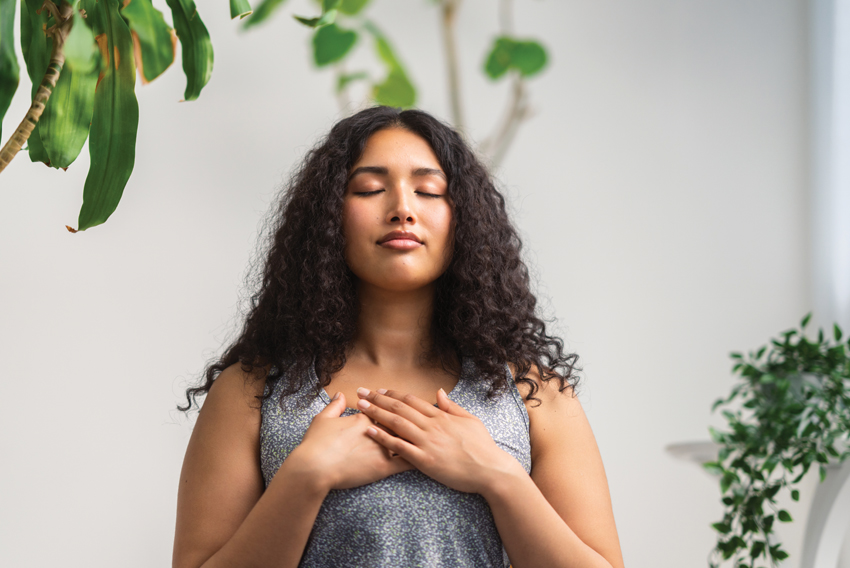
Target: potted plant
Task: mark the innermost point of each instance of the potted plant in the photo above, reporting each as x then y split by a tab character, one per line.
791	410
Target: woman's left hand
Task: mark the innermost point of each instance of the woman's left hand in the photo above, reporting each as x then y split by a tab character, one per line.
448	444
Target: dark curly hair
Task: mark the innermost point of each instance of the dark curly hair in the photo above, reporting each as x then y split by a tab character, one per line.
306	308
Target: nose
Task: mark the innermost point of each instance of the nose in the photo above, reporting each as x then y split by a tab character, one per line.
400	205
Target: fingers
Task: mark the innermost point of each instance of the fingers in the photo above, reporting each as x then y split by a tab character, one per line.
335	407
408	406
402	448
446	404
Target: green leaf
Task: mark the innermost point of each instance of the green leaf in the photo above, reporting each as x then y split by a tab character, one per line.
836	332
328	5
196	46
112	142
343	80
331	43
757	549
152	36
396	90
262	12
805	320
727	480
822	471
64	123
722	528
784	516
9	69
239	9
527	57
325	19
499	59
36	50
713	467
795	495
352	7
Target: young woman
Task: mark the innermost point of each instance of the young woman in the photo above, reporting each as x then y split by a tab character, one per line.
394	280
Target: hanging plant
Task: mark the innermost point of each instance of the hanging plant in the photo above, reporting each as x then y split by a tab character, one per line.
794	398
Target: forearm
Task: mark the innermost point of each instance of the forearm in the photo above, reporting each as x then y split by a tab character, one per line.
532	532
276	530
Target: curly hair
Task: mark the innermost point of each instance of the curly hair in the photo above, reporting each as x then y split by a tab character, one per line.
305	310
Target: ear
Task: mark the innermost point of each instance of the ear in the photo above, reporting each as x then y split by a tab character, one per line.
445	404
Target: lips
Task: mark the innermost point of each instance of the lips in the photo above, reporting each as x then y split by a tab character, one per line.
399	235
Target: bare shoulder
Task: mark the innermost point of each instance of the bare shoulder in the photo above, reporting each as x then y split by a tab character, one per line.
221	479
567	465
237	389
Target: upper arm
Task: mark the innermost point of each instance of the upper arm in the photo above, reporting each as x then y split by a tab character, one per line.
221	479
567	467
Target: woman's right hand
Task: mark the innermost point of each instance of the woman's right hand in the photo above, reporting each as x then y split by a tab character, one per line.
341	453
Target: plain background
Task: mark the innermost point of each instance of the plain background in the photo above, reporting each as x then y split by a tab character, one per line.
661	191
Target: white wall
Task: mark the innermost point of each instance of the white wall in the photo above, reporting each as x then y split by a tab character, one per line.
661	191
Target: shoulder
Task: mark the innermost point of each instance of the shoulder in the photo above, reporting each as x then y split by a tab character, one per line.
235	392
553	410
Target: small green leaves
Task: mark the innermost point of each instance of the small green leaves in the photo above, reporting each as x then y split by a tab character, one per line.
794	405
196	44
527	57
9	69
331	43
239	9
262	12
152	36
36	50
722	528
805	321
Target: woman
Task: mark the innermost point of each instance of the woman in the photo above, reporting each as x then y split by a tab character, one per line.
393	278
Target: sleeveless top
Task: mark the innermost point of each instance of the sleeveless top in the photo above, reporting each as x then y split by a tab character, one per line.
406	519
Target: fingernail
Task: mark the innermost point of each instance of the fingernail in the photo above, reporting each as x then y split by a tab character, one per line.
362	392
442	391
382	391
363	403
336	396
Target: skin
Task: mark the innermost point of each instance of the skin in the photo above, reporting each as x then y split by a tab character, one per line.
560	515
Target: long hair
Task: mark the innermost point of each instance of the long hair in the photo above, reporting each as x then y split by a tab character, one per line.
305	308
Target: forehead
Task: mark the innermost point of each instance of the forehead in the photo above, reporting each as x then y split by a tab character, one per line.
397	148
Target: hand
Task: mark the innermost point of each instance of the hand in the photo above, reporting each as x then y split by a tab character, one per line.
448	444
339	450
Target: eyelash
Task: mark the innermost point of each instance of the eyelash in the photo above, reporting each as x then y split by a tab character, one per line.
364	193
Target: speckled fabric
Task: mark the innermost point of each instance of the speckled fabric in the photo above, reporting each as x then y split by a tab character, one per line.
407	519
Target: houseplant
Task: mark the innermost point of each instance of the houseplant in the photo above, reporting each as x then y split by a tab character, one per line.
789	410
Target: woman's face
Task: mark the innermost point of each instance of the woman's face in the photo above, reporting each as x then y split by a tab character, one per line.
397	185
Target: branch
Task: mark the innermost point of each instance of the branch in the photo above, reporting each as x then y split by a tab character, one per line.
497	144
448	29
59	32
518	110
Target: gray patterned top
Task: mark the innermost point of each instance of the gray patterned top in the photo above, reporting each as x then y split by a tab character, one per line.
406	519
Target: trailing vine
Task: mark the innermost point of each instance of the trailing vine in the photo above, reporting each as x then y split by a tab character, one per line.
792	412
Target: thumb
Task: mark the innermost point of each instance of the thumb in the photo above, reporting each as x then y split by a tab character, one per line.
336	406
446	404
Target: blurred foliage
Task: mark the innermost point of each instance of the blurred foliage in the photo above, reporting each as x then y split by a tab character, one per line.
794	397
82	57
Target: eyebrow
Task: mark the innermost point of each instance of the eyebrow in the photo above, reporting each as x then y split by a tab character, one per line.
417	172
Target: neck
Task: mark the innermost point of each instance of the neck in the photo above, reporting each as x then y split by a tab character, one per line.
394	328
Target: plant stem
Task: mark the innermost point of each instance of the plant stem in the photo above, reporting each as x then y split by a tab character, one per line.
59	32
449	13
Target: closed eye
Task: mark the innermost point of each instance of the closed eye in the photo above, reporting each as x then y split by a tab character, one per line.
368	192
429	194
